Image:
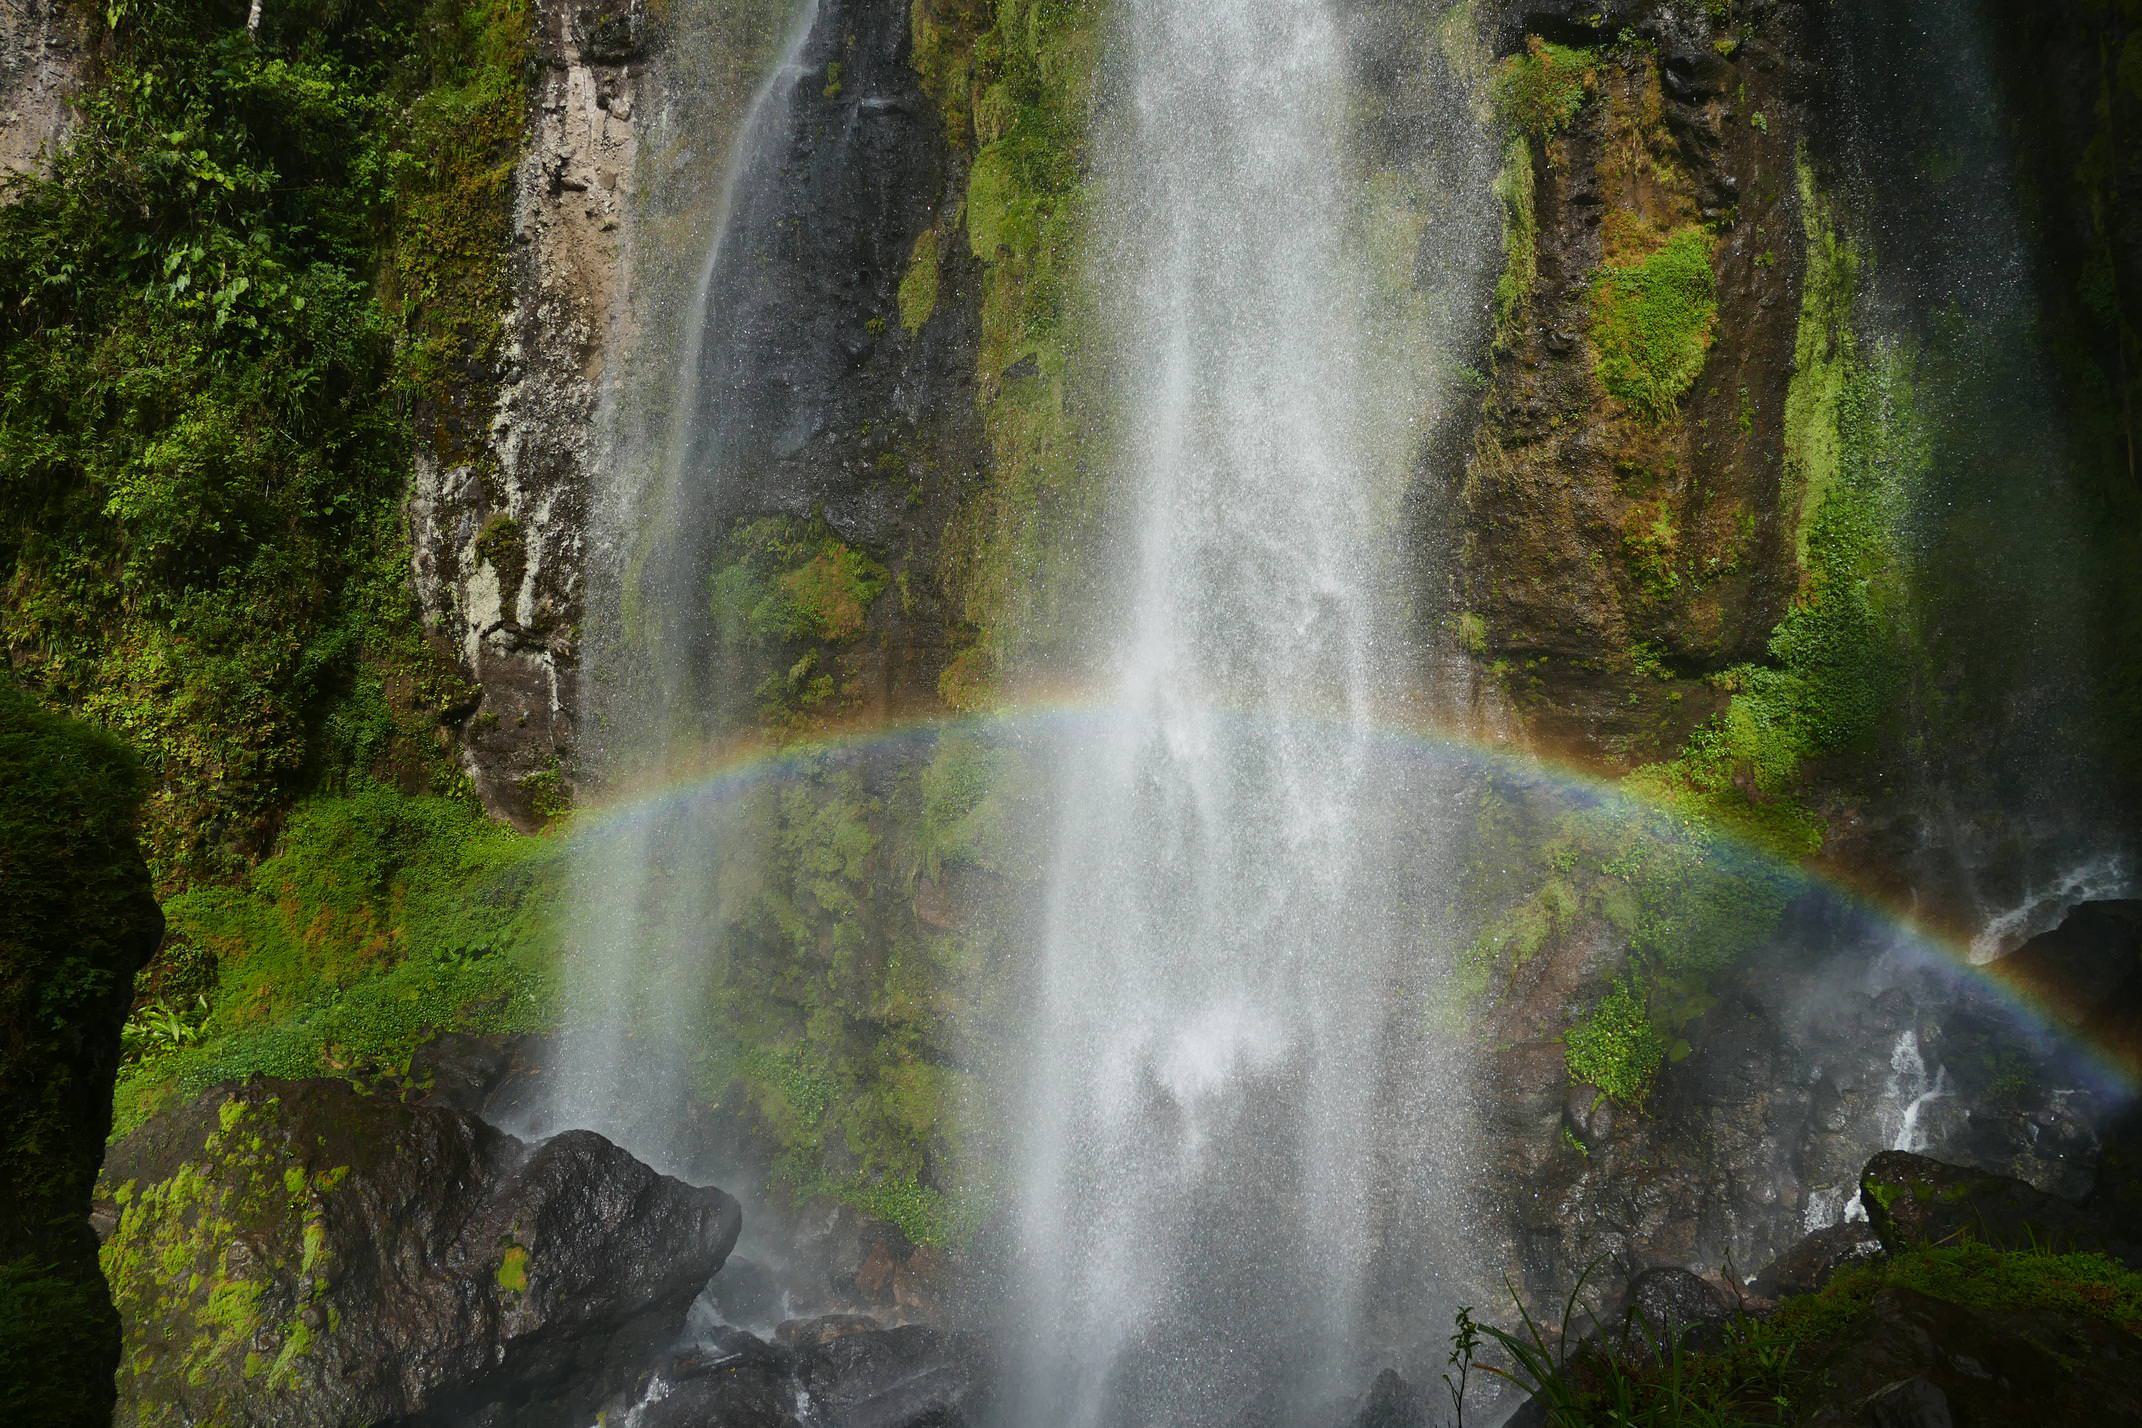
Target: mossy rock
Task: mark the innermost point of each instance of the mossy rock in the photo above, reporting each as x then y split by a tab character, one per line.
1915	1202
300	1252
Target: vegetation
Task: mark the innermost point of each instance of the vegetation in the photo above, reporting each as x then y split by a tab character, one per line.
1616	1048
1778	1369
205	415
1029	67
1652	321
788	597
1541	90
383	919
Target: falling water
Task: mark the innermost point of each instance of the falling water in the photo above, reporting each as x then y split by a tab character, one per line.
645	891
1231	1088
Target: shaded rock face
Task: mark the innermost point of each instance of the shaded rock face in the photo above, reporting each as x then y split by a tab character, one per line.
1794	1079
77	920
1594	531
1922	1362
298	1253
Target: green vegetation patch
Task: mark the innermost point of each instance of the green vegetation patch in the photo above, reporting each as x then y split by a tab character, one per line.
382	920
1615	1047
788	597
1784	1368
1652	323
1541	90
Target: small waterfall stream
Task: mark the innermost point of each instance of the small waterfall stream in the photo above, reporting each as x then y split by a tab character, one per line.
645	902
1209	1150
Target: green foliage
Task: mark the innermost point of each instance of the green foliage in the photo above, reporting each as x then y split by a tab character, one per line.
1652	322
1032	77
1541	90
1520	241
1615	1047
382	920
788	595
200	407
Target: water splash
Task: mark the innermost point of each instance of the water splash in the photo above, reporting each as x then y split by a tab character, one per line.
1233	1102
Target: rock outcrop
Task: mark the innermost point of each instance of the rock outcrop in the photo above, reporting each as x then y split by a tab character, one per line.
44	52
1913	1201
77	919
499	515
301	1253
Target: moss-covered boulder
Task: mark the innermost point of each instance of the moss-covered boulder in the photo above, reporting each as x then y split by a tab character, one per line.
77	919
303	1253
1915	1202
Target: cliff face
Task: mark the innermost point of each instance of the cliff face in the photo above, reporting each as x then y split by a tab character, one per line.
1627	519
500	510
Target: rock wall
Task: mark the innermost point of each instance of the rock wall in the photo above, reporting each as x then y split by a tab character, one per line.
499	517
44	54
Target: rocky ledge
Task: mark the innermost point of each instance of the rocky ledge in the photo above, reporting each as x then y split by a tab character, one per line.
301	1253
1966	1299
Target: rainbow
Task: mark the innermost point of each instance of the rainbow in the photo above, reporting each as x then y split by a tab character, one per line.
728	769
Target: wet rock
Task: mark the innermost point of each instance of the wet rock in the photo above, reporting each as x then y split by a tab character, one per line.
1667	1306
1910	1359
299	1253
1914	1201
1392	1402
822	1330
911	1377
1809	1265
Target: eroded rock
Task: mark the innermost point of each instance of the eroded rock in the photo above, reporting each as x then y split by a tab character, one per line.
299	1253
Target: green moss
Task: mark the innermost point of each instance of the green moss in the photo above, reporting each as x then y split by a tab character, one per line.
1541	90
787	599
1007	555
918	286
1822	360
1520	241
1615	1047
512	1273
1652	322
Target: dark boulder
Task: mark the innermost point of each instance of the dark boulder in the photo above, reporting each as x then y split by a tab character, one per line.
1668	1306
77	920
1913	1201
298	1253
1811	1263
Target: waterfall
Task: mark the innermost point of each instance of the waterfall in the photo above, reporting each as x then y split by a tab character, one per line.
1229	1088
645	898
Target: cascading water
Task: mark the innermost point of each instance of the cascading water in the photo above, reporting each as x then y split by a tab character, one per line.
1232	1088
645	893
